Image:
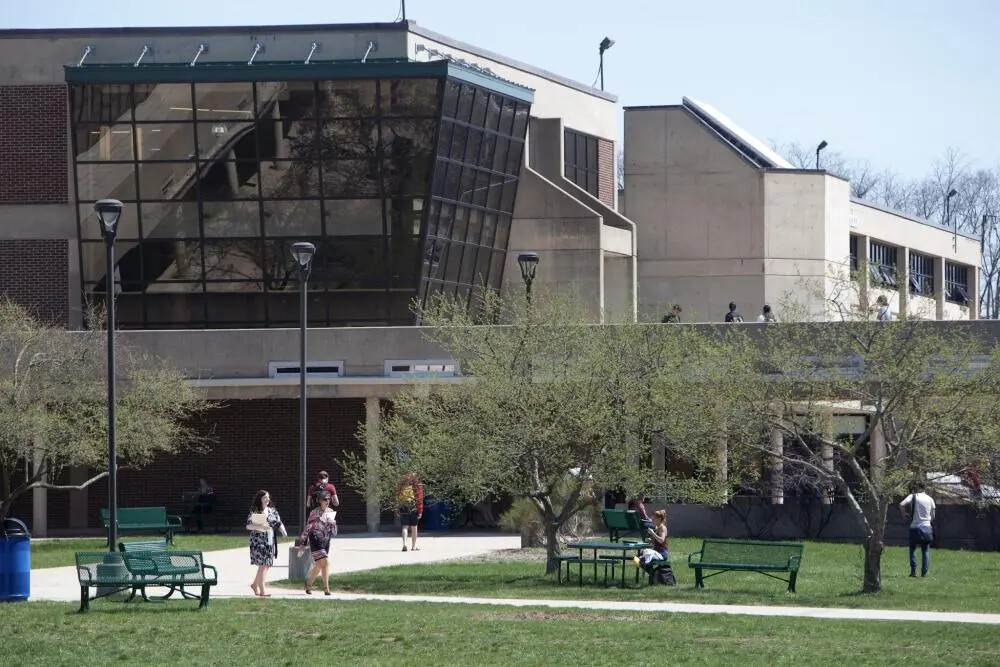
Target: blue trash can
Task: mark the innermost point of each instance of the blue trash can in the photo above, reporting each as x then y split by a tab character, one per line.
436	515
15	561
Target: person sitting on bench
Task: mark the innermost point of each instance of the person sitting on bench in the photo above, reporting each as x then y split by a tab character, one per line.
637	504
659	542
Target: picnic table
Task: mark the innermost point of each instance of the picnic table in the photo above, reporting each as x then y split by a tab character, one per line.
623	552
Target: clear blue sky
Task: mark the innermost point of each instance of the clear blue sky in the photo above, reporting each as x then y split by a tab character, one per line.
896	82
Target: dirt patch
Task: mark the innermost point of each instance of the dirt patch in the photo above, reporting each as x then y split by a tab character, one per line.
555	616
520	555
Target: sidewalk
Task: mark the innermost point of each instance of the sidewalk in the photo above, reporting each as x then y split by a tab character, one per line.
350	553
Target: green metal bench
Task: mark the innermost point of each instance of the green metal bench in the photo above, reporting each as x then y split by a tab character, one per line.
749	556
145	520
623	521
135	571
136	546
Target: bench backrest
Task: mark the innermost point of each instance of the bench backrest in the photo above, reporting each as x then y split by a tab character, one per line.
621	519
144	545
750	552
100	565
138	515
166	563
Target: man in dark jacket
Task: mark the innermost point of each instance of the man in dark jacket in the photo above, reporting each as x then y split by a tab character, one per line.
733	315
673	316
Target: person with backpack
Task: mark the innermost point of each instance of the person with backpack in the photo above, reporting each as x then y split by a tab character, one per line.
766	315
409	506
733	315
921	532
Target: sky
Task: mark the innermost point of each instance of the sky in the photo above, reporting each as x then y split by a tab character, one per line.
894	82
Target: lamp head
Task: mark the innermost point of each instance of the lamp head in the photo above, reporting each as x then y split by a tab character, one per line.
109	212
302	253
528	261
822	145
606	44
952	193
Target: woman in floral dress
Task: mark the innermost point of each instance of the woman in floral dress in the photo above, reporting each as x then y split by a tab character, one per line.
321	526
263	523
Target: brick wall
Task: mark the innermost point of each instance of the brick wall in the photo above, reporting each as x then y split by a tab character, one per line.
606	172
256	447
33	144
35	274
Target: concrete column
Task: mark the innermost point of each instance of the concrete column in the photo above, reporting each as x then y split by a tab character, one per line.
776	467
826	454
939	287
232	174
39	503
864	278
78	500
373	415
876	454
903	276
280	147
973	290
722	463
659	453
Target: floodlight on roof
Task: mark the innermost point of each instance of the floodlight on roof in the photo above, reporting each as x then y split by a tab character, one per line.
606	44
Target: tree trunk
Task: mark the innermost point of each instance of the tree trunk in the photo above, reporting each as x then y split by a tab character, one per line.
874	546
552	547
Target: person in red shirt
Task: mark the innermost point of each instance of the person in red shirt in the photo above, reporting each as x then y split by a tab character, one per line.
322	485
409	506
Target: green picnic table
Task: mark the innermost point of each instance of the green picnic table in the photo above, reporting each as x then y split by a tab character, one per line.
623	553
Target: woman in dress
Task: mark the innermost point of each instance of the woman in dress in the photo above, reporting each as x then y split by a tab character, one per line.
263	523
320	527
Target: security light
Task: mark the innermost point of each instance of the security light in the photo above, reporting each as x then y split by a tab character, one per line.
109	211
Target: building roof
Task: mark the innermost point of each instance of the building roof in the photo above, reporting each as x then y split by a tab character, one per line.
913	218
752	147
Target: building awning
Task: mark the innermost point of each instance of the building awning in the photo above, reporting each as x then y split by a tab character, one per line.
215	72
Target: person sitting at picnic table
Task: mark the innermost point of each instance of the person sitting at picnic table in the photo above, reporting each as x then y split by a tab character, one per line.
659	542
637	504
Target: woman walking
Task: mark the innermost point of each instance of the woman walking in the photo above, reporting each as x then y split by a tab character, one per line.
320	527
263	523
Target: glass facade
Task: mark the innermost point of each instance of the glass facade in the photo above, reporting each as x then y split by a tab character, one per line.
396	181
581	160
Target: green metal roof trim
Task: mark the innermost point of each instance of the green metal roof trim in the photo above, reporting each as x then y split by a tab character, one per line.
291	71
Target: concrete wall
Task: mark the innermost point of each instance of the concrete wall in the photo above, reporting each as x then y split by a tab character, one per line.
699	209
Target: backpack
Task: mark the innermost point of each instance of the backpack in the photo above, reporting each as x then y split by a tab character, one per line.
661	573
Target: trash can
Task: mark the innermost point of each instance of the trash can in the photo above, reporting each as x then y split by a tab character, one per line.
436	515
15	561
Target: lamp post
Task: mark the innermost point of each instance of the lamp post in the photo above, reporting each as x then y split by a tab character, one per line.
821	146
606	44
990	310
947	218
109	212
303	253
528	261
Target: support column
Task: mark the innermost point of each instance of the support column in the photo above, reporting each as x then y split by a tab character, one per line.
722	464
373	508
776	467
903	276
231	173
876	454
280	146
826	454
939	287
39	503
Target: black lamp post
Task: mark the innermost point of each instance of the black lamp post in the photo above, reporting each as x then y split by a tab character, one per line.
606	44
528	261
109	212
821	146
303	253
947	217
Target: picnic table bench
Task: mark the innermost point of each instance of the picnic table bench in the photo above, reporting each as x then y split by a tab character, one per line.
144	520
115	572
623	521
746	555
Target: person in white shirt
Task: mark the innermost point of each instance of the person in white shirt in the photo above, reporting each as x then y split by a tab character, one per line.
767	315
921	532
883	312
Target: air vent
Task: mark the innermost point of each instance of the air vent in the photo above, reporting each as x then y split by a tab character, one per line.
314	369
397	368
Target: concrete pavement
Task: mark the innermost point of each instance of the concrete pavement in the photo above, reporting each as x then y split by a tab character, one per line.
366	552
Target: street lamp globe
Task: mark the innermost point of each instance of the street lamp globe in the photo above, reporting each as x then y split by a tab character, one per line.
303	252
528	261
109	211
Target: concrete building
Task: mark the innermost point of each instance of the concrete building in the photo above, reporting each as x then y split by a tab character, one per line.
417	164
720	217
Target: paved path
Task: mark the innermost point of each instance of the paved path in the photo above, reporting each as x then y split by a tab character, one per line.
366	552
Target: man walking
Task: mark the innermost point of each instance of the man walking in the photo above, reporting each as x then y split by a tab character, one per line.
733	315
322	486
921	532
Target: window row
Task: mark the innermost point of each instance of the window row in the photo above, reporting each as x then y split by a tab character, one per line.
921	274
581	160
254	265
956	283
464	264
449	222
237	180
480	108
882	264
186	310
113	103
472	146
266	139
456	182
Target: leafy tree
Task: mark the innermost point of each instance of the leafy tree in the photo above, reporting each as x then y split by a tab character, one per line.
546	403
929	392
53	406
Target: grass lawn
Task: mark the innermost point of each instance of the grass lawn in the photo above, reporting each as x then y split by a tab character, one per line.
59	552
291	632
831	576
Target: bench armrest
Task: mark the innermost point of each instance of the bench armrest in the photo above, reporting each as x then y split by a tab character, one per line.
174	521
794	561
206	567
693	554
